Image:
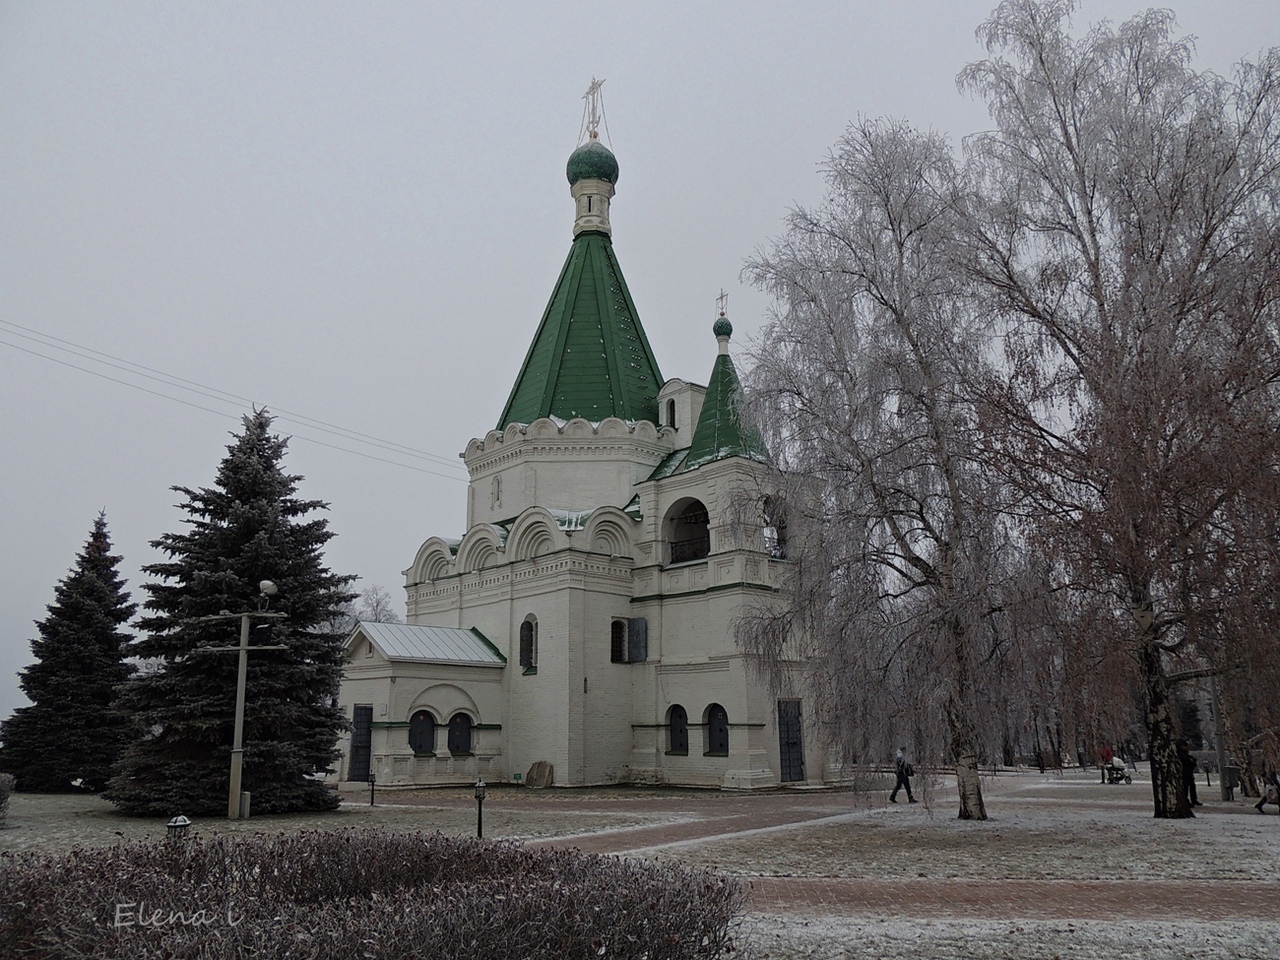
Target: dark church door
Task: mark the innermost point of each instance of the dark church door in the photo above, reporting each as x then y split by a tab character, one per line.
790	741
361	742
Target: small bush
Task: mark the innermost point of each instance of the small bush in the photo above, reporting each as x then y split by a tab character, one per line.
6	791
335	896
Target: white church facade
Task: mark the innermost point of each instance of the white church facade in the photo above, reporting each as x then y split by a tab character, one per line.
585	620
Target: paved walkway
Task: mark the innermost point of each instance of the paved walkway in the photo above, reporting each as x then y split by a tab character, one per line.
1082	900
1085	900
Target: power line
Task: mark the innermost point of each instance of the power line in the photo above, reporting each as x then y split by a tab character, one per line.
223	413
212	393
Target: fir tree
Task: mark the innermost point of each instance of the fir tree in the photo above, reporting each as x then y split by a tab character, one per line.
248	528
71	734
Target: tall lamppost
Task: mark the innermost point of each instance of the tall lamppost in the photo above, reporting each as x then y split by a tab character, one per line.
267	590
480	808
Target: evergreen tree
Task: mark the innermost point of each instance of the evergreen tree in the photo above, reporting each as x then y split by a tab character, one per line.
71	734
248	528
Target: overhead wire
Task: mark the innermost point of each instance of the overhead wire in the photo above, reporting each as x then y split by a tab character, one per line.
131	368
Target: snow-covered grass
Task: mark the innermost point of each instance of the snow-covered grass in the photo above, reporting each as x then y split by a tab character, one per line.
1049	827
58	822
1039	827
781	938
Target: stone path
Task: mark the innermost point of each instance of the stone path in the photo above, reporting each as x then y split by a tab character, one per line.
1083	900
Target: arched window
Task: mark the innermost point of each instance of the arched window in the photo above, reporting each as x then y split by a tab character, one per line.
671	413
529	644
717	731
422	732
460	734
678	730
689	532
495	493
618	641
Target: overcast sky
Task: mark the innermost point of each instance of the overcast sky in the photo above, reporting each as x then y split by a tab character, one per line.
356	213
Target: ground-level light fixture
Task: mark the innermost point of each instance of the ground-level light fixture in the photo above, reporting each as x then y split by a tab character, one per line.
480	808
178	828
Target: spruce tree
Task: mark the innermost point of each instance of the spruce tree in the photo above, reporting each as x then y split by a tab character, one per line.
71	734
248	528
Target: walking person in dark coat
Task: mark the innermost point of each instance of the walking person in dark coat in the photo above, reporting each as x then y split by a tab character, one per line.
905	772
1188	773
1270	792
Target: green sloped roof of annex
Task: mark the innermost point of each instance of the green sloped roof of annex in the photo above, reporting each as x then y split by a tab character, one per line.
590	357
670	464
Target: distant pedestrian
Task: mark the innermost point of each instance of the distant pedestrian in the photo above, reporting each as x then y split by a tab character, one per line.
1104	760
905	772
1188	774
1270	792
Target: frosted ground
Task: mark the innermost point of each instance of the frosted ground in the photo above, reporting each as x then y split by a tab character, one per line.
1155	889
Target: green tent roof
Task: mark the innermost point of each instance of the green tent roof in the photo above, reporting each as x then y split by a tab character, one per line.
720	432
590	357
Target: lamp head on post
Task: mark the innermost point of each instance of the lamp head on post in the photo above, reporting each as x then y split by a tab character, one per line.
480	789
266	590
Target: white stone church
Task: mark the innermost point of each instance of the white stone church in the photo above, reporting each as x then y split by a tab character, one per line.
585	619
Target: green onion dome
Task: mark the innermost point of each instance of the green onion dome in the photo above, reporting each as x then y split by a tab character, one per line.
592	161
722	327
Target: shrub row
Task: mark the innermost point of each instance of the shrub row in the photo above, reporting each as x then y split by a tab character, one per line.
6	791
358	894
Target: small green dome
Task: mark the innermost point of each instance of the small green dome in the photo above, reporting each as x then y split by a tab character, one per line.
722	327
592	161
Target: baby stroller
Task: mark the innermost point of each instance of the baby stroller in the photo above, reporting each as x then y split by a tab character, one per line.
1117	772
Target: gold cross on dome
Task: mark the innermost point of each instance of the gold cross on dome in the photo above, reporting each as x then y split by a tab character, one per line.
722	301
594	107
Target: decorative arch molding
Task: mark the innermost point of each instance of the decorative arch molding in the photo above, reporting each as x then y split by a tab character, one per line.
535	533
577	427
645	430
444	700
543	428
608	530
436	568
433	560
613	427
481	547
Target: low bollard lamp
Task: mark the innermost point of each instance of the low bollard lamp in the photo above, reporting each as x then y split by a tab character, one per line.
480	808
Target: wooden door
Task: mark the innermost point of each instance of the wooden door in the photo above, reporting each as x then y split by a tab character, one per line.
361	742
790	741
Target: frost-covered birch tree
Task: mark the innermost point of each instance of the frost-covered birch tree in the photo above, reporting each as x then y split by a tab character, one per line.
861	384
1130	244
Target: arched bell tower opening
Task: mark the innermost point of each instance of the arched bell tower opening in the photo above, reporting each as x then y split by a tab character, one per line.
687	531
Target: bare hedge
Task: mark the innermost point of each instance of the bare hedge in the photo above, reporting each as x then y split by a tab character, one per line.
6	791
358	894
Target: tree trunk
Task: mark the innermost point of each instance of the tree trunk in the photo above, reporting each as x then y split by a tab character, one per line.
963	748
968	782
1167	789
